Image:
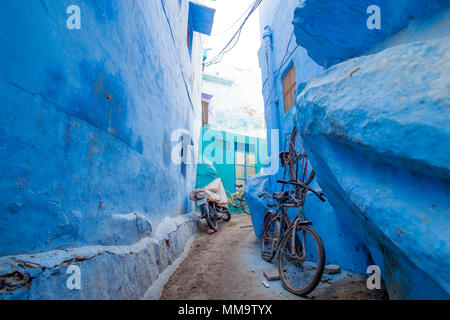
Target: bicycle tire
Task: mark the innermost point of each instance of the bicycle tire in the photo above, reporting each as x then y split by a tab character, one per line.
230	199
320	263
292	151
267	255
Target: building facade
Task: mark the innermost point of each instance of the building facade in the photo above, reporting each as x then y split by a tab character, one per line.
92	92
284	65
232	157
233	144
371	102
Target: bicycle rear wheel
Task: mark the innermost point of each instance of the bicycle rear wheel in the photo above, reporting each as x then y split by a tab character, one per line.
273	229
302	270
271	236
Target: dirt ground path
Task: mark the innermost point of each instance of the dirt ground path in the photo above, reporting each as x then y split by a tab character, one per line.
227	266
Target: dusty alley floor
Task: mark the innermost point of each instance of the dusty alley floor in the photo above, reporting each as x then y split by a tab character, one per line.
227	266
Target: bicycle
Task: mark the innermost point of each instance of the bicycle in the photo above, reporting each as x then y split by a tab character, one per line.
275	223
300	266
237	199
279	234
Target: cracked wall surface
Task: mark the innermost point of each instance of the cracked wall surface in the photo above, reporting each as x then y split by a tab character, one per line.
85	144
107	272
376	131
374	123
342	247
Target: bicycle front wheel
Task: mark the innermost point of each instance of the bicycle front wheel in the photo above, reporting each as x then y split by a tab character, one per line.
230	199
301	269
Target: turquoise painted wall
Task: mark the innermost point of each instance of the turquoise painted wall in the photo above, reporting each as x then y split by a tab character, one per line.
218	148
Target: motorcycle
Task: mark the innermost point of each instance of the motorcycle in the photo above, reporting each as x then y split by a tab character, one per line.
213	203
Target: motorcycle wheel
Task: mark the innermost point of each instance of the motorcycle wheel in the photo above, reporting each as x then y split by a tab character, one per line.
226	216
211	216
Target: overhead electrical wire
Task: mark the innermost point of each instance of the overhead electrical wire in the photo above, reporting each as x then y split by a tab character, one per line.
285	59
235	39
234	23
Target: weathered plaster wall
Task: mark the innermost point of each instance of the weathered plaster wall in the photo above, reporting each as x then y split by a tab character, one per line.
335	31
342	247
87	117
376	131
106	272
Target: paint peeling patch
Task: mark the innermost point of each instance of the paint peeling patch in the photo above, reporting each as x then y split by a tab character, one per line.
14	281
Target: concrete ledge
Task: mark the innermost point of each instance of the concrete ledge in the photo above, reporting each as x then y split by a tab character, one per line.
107	272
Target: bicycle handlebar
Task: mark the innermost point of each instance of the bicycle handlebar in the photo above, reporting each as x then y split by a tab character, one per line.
304	186
265	195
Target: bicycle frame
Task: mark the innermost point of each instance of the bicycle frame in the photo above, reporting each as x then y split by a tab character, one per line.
281	213
300	219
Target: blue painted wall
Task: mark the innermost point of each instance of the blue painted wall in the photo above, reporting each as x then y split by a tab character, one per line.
342	247
87	117
334	31
376	131
379	143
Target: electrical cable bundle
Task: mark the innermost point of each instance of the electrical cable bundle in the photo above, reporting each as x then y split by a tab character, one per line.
235	39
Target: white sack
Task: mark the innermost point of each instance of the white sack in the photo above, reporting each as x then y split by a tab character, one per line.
215	191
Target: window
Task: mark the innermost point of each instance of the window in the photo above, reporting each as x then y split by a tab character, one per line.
245	162
289	86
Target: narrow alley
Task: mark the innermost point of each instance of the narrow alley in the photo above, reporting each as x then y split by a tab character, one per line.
228	266
163	151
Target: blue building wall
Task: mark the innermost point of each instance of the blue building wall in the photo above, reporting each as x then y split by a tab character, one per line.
342	247
87	117
375	127
379	143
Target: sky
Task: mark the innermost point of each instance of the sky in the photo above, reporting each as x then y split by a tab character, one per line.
240	65
244	55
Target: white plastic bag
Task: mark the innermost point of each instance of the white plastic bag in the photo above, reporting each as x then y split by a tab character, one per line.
214	191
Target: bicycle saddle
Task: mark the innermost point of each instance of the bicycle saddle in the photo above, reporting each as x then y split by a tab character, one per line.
239	186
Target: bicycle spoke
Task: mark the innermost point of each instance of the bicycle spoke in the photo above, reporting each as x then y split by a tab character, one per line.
301	271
